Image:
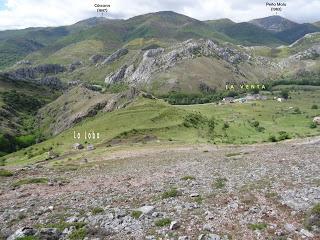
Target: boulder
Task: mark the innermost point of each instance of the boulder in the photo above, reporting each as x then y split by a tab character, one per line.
49	234
316	120
78	146
22	232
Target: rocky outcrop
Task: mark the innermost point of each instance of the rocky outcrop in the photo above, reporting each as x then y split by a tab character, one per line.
73	66
117	76
35	72
115	56
156	60
52	82
97	58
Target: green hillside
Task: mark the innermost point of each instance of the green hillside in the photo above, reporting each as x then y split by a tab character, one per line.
292	34
249	34
154	119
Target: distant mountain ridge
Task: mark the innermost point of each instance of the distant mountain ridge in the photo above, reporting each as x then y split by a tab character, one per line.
274	23
166	25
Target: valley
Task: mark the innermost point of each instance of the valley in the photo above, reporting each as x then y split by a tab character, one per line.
130	129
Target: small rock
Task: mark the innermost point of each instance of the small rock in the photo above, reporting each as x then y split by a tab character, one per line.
194	195
145	209
174	225
208	227
183	238
22	232
49	234
72	220
306	233
289	227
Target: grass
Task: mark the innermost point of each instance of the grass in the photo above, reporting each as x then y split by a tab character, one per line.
220	183
97	210
78	234
5	173
258	226
188	177
136	214
28	238
163	222
30	181
189	124
170	193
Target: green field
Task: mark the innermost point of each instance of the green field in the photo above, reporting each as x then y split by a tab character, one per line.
247	123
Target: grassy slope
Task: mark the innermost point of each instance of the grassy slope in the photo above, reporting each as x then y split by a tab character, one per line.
156	118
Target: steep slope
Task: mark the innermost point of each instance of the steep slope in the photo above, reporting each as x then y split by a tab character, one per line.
211	63
294	33
274	23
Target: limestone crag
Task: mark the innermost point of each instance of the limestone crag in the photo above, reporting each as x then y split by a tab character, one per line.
115	56
156	60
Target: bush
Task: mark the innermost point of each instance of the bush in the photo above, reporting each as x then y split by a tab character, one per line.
314	106
258	226
194	120
220	183
225	126
163	222
5	173
170	193
185	178
283	136
97	210
272	138
136	214
313	125
284	93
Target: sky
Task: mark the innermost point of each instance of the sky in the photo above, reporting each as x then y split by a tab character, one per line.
17	14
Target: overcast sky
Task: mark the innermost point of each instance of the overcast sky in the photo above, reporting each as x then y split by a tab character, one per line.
35	13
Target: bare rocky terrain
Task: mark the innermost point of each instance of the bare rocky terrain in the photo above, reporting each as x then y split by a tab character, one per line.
152	191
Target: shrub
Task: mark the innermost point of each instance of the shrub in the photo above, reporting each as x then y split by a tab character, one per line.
220	183
163	222
188	178
5	173
30	181
313	125
194	120
272	138
170	193
225	126
258	226
284	93
136	214
314	106
97	210
283	136
78	234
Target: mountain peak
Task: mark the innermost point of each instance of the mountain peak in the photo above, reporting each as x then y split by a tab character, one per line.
274	23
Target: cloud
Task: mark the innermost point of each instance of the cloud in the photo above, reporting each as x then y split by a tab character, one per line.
34	13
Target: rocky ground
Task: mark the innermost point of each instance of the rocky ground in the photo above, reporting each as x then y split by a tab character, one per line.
265	191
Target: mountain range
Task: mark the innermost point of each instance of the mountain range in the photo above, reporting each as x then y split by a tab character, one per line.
71	73
271	31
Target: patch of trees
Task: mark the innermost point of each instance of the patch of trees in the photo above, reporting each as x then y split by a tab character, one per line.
21	102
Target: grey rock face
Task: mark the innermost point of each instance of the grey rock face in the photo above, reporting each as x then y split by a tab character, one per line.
34	72
97	58
115	56
73	66
117	76
52	82
157	60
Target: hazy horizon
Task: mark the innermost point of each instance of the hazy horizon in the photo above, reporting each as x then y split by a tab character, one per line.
19	14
